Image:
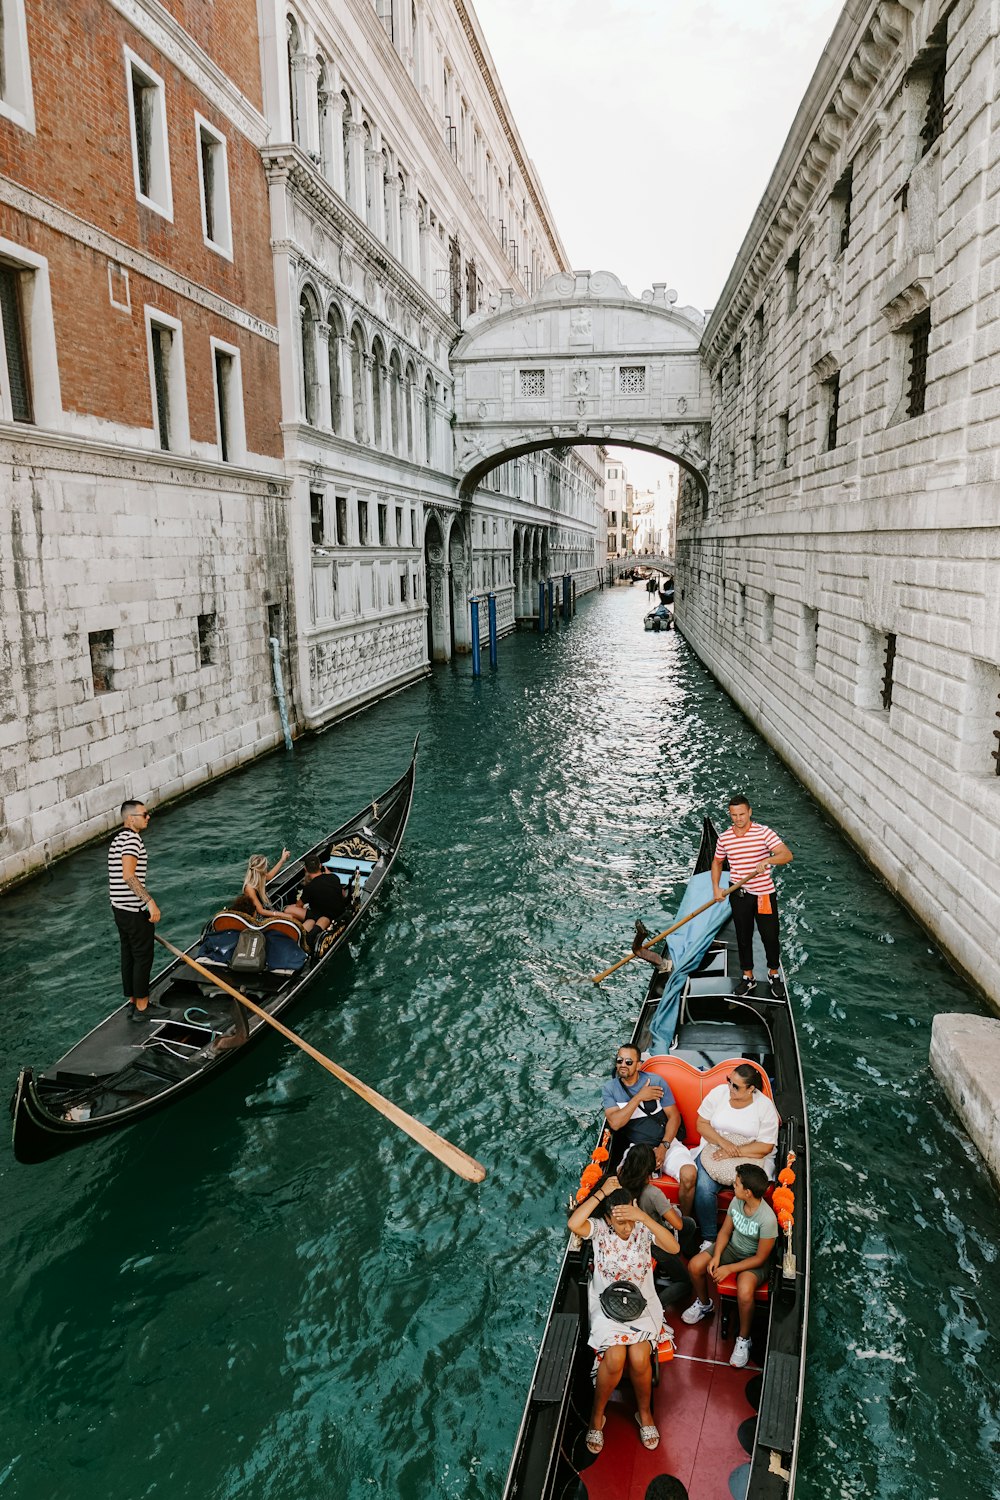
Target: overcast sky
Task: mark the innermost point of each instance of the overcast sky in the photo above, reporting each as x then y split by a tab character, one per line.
655	124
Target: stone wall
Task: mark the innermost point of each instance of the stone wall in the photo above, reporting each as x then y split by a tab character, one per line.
841	577
95	543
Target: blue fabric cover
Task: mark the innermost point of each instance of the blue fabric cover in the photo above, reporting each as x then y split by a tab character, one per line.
283	952
219	946
687	948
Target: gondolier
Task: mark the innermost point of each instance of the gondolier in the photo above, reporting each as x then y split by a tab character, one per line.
752	849
132	906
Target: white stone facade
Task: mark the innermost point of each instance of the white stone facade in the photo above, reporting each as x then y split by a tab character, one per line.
841	577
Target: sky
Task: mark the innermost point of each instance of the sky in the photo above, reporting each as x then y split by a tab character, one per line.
654	126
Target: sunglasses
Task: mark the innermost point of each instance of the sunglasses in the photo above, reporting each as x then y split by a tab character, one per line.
625	1062
736	1086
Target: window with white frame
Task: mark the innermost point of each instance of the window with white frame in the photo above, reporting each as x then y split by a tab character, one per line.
229	419
29	371
148	131
168	387
213	180
15	73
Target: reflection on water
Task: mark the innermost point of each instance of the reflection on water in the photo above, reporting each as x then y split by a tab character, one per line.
269	1292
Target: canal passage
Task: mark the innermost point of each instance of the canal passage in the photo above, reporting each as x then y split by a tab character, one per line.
267	1292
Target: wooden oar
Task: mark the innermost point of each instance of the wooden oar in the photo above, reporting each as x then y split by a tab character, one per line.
661	935
465	1166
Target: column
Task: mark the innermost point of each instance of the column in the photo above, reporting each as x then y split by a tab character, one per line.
393	200
309	112
369	400
331	138
356	147
297	102
409	249
375	171
323	411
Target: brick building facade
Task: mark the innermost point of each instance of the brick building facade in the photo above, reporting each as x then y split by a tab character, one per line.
841	574
142	529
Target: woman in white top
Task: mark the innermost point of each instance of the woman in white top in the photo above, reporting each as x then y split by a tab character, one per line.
623	1236
736	1110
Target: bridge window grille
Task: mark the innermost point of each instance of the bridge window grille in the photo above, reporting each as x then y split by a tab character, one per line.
916	389
532	382
632	380
888	670
833	411
935	112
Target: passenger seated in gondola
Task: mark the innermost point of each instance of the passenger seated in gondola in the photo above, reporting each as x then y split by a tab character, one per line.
743	1247
251	900
641	1107
673	1282
323	901
626	1323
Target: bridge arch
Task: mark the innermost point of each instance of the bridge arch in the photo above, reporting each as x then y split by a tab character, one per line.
581	362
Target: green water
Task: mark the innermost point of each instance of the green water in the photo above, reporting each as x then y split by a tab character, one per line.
269	1292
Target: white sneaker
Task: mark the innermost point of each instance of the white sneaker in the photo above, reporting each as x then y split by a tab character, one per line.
740	1354
706	1244
697	1311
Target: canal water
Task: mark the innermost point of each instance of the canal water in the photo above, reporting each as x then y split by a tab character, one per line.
268	1292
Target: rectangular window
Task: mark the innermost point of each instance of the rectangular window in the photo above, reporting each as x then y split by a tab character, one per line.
317	518
274	622
792	281
15	346
889	663
342	520
738	364
532	382
810	638
362	523
935	112
784	424
832	392
840	213
767	619
102	651
167	382
403	586
213	179
382	524
206	639
916	383
399	526
229	402
15	72
148	130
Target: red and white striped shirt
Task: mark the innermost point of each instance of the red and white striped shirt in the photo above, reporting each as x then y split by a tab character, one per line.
743	853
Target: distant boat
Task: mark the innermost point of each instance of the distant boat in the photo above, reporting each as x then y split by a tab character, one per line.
723	1432
122	1072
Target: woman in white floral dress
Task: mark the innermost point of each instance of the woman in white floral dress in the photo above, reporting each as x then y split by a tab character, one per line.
622	1235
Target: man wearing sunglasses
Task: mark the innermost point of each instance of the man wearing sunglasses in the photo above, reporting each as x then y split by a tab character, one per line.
642	1108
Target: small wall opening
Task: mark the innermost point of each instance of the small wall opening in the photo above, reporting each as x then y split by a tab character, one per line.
102	668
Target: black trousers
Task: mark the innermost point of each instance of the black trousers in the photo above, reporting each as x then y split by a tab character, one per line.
745	914
672	1278
135	934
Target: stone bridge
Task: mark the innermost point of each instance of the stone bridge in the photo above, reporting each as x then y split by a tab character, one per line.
583	361
657	563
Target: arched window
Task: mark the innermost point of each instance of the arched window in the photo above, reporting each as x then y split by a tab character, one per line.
346	147
429	420
294	47
358	384
395	398
378	392
409	390
308	315
336	334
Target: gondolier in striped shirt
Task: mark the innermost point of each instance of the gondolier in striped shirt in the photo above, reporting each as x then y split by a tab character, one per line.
752	849
133	908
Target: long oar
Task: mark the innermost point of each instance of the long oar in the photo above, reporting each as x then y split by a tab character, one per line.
465	1166
661	935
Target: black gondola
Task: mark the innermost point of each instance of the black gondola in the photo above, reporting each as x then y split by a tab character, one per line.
724	1432
120	1073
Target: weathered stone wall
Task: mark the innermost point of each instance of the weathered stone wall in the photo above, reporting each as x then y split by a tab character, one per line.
89	542
842	577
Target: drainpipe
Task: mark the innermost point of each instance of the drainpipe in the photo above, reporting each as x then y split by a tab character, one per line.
279	689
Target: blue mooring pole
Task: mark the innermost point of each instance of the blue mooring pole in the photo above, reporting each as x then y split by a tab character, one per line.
477	667
492	607
541	606
552	601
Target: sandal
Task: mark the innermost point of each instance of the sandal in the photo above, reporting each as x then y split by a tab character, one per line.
595	1439
649	1437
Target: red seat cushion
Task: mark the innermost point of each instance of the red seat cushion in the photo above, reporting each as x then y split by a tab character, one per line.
727	1288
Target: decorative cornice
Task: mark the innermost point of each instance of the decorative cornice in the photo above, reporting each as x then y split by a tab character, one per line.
826	365
853	65
34	206
909	293
486	72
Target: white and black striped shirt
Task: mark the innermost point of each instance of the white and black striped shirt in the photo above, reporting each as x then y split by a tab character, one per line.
122	895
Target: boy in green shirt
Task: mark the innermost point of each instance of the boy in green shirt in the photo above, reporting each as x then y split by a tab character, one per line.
742	1247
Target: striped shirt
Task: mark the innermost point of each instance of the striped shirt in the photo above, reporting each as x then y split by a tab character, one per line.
746	852
122	895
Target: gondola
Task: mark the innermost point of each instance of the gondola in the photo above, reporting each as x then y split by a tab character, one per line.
724	1432
120	1073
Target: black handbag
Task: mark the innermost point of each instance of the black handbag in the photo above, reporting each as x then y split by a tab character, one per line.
622	1301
